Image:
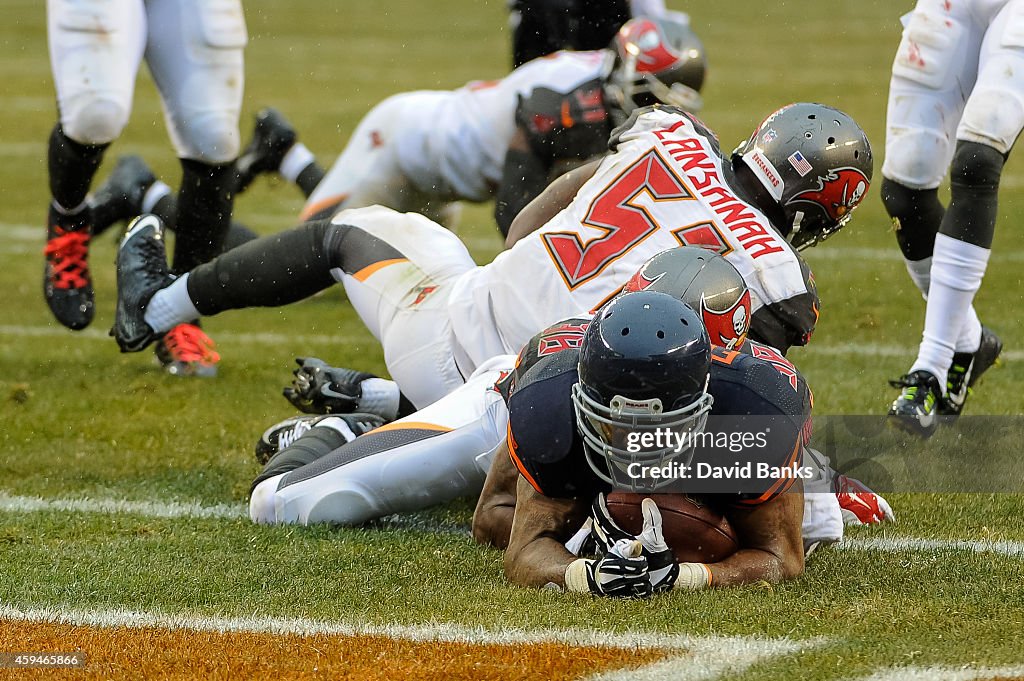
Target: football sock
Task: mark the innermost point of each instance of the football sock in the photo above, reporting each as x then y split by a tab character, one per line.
273	270
71	166
970	336
295	161
70	213
203	217
156	191
957	270
920	272
171	306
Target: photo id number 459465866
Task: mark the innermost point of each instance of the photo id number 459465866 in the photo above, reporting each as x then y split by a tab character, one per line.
27	660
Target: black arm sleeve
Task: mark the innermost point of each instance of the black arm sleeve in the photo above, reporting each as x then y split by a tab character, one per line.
524	177
791	321
785	324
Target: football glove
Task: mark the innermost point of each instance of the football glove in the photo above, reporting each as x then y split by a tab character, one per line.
859	505
661	561
622	573
319	388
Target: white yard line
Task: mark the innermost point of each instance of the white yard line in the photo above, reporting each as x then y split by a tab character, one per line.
13	503
292	340
899	544
148	509
945	673
297	340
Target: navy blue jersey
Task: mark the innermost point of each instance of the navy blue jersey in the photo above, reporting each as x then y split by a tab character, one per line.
545	443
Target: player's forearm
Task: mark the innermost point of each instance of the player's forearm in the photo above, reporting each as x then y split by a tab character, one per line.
555	197
748	566
537	564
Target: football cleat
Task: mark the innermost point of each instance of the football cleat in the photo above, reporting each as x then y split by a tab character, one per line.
271	139
914	411
965	371
319	388
141	272
186	351
859	505
283	434
120	197
286	432
67	284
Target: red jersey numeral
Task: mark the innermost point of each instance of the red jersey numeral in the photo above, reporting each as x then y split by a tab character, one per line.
705	235
622	222
775	358
564	337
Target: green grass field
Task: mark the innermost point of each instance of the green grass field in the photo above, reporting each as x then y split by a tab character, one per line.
85	427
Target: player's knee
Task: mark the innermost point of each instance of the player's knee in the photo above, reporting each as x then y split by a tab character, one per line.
212	138
99	121
916	157
916	215
348	503
262	508
900	201
977	166
993	116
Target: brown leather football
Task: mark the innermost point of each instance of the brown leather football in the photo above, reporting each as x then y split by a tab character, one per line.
696	532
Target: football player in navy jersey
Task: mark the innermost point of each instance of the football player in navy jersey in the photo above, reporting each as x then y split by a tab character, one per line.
643	362
320	471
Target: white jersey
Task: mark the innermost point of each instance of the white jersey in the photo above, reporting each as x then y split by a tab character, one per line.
456	142
665	186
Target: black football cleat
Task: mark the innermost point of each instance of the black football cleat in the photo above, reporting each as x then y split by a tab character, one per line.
285	433
67	284
120	196
271	139
915	410
965	371
141	272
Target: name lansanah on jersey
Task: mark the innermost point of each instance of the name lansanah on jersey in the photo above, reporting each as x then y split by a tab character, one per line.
756	238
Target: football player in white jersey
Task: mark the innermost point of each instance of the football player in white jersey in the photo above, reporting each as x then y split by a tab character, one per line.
955	106
439	316
503	139
193	49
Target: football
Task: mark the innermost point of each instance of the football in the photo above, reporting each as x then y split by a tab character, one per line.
696	532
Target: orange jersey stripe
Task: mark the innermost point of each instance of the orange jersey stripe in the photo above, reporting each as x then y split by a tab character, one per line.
320	205
518	463
367	272
412	425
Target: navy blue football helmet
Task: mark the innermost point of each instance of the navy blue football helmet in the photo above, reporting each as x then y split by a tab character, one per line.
643	371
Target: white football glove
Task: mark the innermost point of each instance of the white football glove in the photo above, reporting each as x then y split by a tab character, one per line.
660	560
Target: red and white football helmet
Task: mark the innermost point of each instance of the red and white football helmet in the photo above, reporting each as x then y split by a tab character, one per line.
706	282
655	61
